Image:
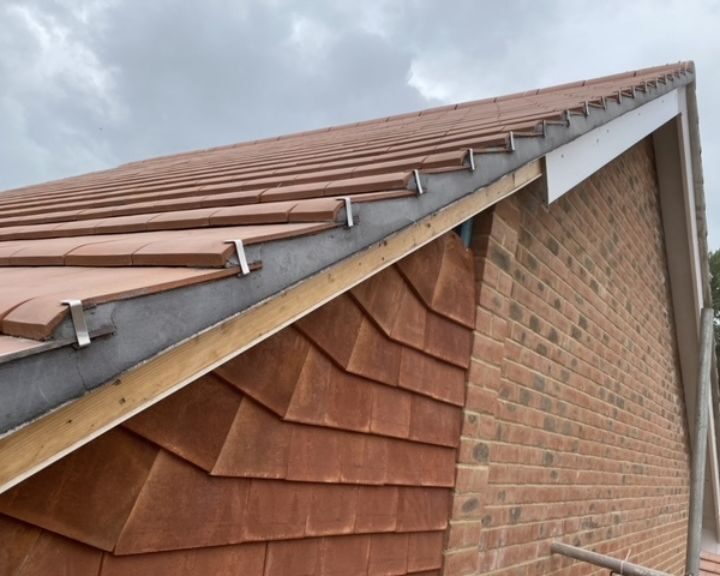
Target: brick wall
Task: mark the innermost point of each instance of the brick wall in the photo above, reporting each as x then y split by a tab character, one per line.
574	426
327	450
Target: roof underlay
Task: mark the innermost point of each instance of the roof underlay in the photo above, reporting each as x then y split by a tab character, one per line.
150	249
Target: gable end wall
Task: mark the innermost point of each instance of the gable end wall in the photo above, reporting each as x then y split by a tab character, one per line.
574	428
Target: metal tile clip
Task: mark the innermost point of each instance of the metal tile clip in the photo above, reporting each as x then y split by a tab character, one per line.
77	314
348	211
511	142
418	183
241	258
471	157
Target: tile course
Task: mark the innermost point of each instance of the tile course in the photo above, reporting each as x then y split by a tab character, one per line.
178	211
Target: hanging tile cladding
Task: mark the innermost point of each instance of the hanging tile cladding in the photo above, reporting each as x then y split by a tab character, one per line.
575	426
330	448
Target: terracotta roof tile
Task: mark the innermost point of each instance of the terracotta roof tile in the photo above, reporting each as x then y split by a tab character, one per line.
364	459
345	556
332	510
293	558
31	300
213	560
388	554
12	345
116	460
276	510
256	445
258	375
52	554
379	509
180	506
177	211
181	424
425	551
421	373
422	509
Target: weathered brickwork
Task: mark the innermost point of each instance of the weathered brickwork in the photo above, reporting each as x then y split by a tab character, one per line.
574	426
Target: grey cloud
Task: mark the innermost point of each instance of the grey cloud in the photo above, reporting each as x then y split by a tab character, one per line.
92	83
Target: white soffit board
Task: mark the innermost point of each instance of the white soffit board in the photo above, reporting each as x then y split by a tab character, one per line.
571	163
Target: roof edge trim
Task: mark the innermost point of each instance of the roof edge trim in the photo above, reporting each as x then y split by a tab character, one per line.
571	163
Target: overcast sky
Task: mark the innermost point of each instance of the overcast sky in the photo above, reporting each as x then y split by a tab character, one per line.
89	84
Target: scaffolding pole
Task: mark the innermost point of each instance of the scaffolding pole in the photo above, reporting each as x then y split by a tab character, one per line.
613	564
699	454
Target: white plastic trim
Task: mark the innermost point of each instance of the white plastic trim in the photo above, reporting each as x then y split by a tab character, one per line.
573	162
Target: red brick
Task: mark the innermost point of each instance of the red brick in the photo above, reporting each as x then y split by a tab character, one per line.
577	327
471	478
481	400
461	562
464	534
488	350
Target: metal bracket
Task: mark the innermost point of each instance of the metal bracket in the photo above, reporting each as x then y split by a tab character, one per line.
471	157
241	258
77	313
418	183
511	141
348	211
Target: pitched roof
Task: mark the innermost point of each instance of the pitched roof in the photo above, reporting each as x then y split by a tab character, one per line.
152	227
